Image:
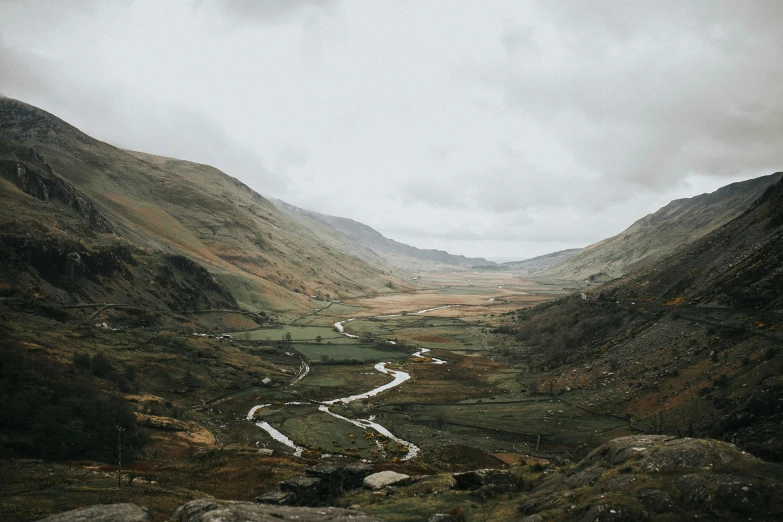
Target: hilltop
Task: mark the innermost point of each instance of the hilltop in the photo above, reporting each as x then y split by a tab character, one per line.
660	233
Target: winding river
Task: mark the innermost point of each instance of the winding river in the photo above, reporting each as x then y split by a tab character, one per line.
398	377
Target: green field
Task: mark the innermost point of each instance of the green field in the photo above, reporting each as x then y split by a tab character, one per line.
298	333
348	352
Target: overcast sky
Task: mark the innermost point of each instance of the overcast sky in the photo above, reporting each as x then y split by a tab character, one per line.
485	128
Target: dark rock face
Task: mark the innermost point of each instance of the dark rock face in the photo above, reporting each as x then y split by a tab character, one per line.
44	185
354	473
331	478
306	490
103	513
324	482
277	498
206	510
473	480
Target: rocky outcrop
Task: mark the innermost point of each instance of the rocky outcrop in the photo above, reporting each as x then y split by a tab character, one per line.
306	491
43	184
647	477
323	483
384	478
478	478
103	513
206	510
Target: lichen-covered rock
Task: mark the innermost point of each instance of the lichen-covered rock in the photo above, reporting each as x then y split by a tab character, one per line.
659	478
656	500
383	479
442	517
607	513
584	478
694	492
207	510
277	498
664	453
103	513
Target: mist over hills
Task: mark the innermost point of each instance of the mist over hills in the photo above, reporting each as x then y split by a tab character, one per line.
358	238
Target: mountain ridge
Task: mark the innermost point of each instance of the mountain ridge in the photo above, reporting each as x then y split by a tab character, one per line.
161	207
363	236
661	232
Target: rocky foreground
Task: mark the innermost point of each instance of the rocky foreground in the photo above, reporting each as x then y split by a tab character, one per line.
644	477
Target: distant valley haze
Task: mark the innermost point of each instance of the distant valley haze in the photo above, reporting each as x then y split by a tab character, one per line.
503	130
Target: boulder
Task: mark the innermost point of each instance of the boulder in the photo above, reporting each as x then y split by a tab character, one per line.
354	473
331	477
306	490
277	498
104	513
207	510
441	517
383	479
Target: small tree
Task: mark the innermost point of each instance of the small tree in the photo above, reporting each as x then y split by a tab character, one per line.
288	337
318	339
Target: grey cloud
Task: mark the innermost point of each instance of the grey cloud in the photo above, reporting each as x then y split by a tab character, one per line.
163	130
271	11
646	94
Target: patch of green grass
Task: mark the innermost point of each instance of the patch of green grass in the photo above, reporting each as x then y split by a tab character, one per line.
351	352
298	333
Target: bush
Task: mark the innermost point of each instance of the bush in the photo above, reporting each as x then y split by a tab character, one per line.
82	361
47	410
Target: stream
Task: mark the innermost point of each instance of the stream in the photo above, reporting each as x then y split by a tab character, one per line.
398	377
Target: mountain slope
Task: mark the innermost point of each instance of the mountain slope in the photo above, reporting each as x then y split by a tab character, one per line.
536	264
658	234
85	197
367	243
688	345
738	266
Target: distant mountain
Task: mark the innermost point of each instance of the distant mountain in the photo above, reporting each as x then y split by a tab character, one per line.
83	221
369	244
658	234
536	264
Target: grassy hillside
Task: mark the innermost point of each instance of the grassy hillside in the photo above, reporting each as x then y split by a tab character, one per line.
658	234
536	264
690	345
361	240
67	192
